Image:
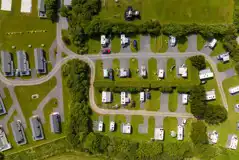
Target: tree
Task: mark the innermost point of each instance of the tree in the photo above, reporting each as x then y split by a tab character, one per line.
51	9
66	39
149	150
65	12
92	143
197	101
198	62
2	156
199	133
215	114
237	68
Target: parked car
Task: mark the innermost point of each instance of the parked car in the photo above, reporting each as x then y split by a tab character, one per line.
148	95
135	44
111	74
172	41
106	51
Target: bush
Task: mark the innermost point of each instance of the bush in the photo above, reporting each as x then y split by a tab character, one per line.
166	89
237	68
215	114
66	40
198	62
199	133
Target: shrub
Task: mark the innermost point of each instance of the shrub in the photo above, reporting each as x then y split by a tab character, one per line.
215	114
198	62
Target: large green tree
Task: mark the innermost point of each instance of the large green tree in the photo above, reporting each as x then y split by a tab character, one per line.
149	150
198	62
215	114
199	133
51	9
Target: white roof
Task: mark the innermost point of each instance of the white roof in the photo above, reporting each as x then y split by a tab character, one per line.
226	58
212	43
233	90
210	95
106	73
184	98
161	73
112	126
237	106
172	39
158	134
213	137
124	72
6	5
100	126
67	2
142	96
233	142
205	74
103	40
124	98
106	97
183	71
126	128
4	145
180	133
143	71
26	6
124	40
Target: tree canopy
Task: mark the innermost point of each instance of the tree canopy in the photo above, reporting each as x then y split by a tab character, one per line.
198	62
199	133
215	114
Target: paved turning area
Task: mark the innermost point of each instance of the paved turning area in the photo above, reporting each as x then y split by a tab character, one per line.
164	102
143	128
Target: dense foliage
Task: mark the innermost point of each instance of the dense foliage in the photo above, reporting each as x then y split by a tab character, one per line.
51	9
215	114
198	62
199	133
197	101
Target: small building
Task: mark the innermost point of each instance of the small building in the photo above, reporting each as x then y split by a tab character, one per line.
180	133
142	96
124	40
2	107
184	98
18	132
106	97
161	73
125	98
67	3
22	64
112	126
158	134
105	73
124	72
183	71
55	120
212	43
210	95
213	137
37	130
172	41
104	41
40	61
126	128
234	90
205	74
143	71
4	144
41	9
7	63
100	126
224	57
232	143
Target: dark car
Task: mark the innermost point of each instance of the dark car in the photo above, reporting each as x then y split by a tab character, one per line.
106	51
135	44
111	74
148	95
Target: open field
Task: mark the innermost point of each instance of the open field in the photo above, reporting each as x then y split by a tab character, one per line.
200	42
225	66
173	101
94	46
153	104
152	67
177	11
171	69
115	44
159	44
15	21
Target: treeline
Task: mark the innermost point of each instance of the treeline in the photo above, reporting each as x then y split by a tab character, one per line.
51	9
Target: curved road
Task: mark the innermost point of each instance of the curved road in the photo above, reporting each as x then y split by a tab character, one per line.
89	59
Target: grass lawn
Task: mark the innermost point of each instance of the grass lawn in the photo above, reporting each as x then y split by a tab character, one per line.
171	69
99	70
219	49
7	100
94	46
173	101
192	72
225	66
182	44
229	126
115	44
133	65
153	104
179	11
15	21
71	46
159	44
152	68
116	67
200	42
74	156
170	124
137	38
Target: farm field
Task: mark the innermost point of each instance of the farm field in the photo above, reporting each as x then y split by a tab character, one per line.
172	11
